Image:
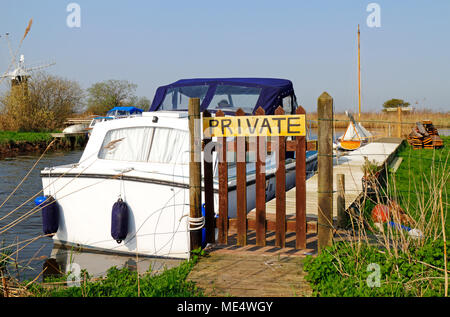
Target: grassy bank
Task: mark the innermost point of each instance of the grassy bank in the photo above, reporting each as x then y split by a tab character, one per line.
8	137
406	266
418	183
422	176
15	143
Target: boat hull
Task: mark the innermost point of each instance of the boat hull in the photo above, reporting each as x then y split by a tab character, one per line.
350	145
158	209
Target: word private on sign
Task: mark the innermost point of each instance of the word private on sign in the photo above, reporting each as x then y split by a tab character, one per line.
271	125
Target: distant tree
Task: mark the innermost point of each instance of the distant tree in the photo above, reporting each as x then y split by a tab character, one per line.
140	102
394	103
43	104
108	94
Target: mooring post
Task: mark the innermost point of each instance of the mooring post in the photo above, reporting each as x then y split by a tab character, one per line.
340	202
195	192
325	171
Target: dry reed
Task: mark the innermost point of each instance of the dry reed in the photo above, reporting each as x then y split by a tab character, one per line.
386	123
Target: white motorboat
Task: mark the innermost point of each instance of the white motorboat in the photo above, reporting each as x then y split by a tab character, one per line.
144	161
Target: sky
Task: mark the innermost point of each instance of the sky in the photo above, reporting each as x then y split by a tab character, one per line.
312	43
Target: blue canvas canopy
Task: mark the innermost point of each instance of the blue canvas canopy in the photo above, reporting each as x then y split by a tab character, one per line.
227	94
124	111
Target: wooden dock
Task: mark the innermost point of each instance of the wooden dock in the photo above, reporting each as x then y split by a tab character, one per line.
67	135
243	275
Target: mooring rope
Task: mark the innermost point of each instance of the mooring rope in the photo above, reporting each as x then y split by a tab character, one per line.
32	211
26	176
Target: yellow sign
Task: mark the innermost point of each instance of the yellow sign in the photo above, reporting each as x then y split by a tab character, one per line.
277	125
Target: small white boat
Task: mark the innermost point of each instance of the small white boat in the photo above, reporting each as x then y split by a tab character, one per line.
144	161
77	128
354	137
116	113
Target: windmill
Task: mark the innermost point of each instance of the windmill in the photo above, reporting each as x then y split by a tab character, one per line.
21	72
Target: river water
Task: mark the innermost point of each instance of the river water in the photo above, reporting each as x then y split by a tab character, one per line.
32	254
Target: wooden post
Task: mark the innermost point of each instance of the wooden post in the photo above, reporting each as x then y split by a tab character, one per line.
399	117
209	190
241	186
325	171
300	188
260	186
223	186
359	75
195	190
340	201
280	232
72	141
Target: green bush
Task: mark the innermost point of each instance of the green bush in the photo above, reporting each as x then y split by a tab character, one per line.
342	270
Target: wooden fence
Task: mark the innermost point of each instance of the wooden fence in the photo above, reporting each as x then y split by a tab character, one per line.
260	145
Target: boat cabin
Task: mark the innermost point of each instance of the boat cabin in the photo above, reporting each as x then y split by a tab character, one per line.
124	112
227	94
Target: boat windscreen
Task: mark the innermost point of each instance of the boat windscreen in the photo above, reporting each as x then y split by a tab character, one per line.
232	97
177	98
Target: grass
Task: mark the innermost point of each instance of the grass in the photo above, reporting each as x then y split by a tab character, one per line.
124	283
343	270
420	177
32	137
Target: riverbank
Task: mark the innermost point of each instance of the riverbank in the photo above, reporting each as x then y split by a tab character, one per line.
392	261
20	143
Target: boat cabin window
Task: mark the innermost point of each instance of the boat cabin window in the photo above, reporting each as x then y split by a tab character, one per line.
146	144
177	98
231	98
118	113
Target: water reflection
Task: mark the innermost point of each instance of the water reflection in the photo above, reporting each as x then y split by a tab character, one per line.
63	260
21	232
